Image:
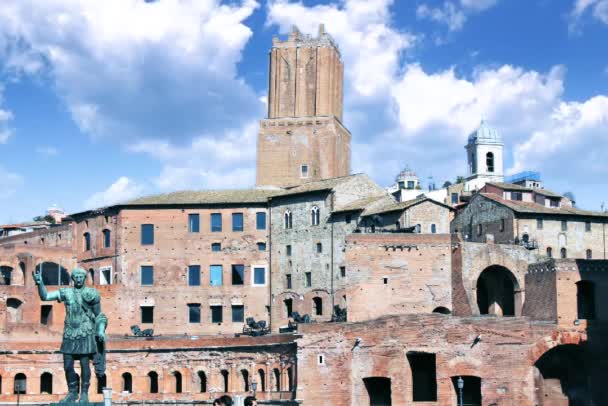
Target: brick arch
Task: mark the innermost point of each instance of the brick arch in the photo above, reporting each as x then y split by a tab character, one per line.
464	365
325	297
547	343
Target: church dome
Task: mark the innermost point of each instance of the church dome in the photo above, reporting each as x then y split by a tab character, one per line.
485	135
406	174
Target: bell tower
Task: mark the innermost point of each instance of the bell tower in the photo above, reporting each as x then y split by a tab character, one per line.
303	139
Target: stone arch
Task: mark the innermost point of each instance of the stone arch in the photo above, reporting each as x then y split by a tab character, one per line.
316	297
262	379
177	382
153	382
20	384
46	383
442	310
498	292
53	274
126	382
225	380
202	381
244	380
22	272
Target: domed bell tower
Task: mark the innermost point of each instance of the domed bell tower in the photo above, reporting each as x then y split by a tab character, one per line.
485	157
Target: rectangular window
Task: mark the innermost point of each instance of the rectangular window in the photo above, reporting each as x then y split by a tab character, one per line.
215	274
261	246
304	171
46	314
107	236
517	196
411	184
216	247
502	225
554	203
216	314
194	312
564	225
216	222
147	314
539	224
348	218
147	275
424	377
260	220
343	271
288	281
238	274
147	234
238	313
454	198
194	275
259	276
319	248
105	275
288	250
308	282
587	226
194	223
237	221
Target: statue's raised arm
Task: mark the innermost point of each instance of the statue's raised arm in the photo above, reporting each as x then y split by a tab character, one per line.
44	295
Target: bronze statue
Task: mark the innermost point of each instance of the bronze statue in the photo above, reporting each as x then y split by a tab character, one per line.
83	332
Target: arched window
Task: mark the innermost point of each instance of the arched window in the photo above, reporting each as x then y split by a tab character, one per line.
53	274
6	275
226	376
563	253
277	379
288	307
178	381
202	380
92	276
315	215
434	228
442	310
288	219
490	161
245	377
20	384
127	382
585	300
107	238
317	304
262	377
290	379
14	310
153	381
22	269
550	252
86	241
589	254
46	383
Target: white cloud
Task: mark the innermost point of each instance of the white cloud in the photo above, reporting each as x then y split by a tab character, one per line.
129	68
9	183
5	117
47	150
454	14
597	8
121	190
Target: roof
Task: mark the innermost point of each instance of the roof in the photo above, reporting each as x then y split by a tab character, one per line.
535	208
396	206
485	134
512	186
360	204
317	186
205	197
27	224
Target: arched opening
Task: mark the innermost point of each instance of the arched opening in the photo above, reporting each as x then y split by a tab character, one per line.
563	253
46	383
262	378
288	219
86	241
153	382
54	274
378	390
470	388
23	273
20	384
107	238
498	292
245	379
6	275
563	377
101	383
317	304
442	310
225	376
127	382
490	162
202	381
91	276
315	216
585	300
290	379
288	307
277	379
177	377
14	310
549	252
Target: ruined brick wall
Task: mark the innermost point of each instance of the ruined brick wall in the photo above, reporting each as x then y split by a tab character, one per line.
350	352
57	236
285	144
392	274
541	293
190	357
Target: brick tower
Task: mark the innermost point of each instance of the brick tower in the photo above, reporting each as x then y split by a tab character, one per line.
303	138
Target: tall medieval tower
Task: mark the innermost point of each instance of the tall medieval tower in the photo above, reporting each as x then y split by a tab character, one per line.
303	138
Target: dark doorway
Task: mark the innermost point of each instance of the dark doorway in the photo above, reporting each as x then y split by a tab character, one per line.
202	379
424	376
471	390
496	292
379	391
46	383
153	381
585	300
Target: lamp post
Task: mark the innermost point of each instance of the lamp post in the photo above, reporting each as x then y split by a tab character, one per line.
460	387
254	386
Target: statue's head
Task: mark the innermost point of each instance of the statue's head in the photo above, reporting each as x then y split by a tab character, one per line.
78	276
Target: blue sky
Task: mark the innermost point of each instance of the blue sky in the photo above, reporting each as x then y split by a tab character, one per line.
105	101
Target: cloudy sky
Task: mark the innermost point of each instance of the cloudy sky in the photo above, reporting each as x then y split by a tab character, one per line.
102	101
